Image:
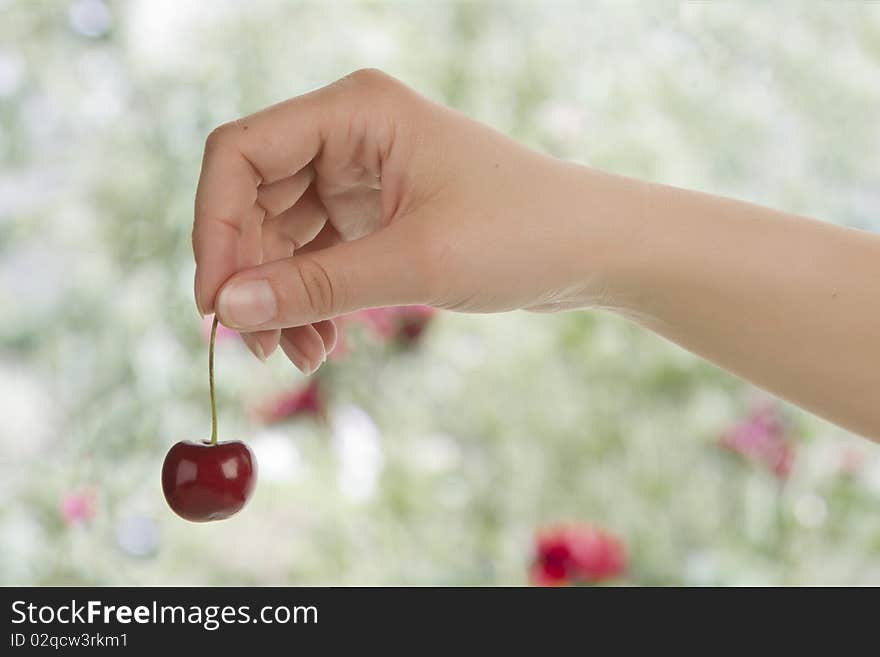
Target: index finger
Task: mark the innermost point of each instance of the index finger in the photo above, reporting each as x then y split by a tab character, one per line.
239	156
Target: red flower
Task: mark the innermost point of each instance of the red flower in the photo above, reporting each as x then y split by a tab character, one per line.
761	437
411	322
571	554
307	400
77	507
379	320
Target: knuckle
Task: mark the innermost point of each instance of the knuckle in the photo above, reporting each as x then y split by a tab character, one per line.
368	76
220	137
370	82
321	290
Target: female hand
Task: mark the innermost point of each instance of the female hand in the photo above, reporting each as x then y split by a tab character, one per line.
365	194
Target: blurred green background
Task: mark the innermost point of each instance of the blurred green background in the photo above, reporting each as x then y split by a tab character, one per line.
437	461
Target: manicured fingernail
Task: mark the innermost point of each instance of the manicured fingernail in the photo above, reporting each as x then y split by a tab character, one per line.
247	304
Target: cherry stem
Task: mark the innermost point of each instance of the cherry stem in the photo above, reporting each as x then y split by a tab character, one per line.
211	382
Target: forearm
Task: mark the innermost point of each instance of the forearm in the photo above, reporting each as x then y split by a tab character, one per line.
786	302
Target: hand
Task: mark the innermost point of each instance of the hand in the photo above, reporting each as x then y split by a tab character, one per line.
364	194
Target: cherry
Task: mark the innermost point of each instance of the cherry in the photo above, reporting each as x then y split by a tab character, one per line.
205	481
208	480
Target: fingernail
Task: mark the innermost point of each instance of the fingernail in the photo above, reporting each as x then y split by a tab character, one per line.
309	366
268	342
317	364
303	364
247	304
257	350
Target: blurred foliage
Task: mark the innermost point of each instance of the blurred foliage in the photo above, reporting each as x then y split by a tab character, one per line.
437	463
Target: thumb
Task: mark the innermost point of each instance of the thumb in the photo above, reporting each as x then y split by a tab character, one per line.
381	269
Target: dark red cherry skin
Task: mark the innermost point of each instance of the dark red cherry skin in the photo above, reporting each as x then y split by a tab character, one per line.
204	482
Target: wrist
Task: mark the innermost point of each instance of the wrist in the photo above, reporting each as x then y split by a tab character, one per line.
609	240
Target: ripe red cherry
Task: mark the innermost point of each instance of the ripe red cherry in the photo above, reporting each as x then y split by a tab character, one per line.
204	481
208	480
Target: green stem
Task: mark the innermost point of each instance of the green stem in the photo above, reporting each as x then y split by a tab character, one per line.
211	382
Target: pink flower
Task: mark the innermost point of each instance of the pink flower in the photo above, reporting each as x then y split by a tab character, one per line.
77	507
379	320
572	554
307	400
223	333
762	438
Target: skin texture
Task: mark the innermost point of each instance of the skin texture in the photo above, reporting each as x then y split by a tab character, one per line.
365	194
